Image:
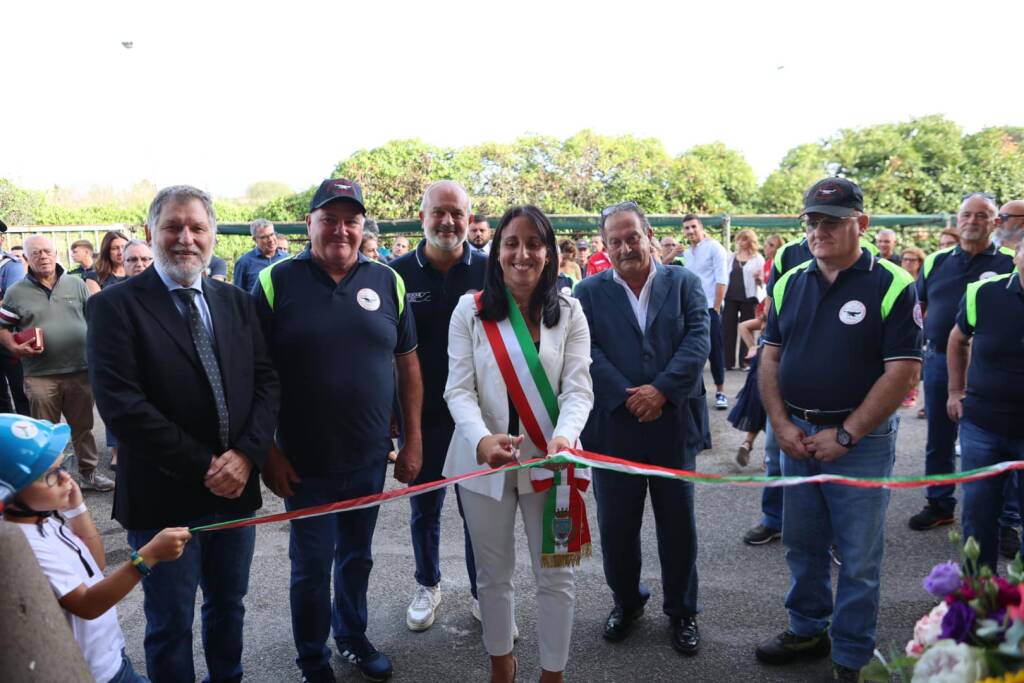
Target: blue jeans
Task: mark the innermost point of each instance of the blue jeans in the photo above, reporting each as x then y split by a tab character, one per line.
343	540
983	499
425	518
1010	517
939	455
127	673
620	511
852	518
771	497
717	354
218	562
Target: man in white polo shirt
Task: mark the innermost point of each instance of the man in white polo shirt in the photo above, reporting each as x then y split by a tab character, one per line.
709	260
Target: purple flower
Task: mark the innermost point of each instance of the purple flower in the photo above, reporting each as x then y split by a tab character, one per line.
958	622
943	580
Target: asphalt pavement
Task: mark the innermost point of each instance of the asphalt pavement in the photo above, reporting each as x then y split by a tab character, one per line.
742	589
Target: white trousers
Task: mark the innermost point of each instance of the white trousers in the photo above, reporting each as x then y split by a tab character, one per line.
492	526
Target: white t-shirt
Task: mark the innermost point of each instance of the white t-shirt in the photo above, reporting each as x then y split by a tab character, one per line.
100	639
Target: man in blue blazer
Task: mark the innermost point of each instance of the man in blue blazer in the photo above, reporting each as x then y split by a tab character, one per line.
649	342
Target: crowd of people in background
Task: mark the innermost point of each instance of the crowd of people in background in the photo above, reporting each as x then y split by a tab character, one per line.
206	386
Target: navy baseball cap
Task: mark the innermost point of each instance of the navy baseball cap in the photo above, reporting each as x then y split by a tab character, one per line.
337	188
837	197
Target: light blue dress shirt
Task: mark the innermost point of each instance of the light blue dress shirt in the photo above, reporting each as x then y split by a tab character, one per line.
204	310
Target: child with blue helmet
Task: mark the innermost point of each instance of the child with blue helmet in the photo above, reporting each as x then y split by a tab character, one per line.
46	503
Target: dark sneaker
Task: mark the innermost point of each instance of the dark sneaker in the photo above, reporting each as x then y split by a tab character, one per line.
721	402
324	675
930	517
789	647
372	664
761	534
845	673
1009	541
837	557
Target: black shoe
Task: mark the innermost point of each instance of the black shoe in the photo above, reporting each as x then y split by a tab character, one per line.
373	664
845	673
789	647
1009	541
930	517
620	622
324	675
761	534
685	636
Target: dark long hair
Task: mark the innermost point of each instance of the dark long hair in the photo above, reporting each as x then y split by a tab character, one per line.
104	266
544	300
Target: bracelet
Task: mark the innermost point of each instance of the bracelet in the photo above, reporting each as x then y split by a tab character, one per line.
75	512
139	563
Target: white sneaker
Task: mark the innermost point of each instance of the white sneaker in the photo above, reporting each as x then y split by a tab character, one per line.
476	614
423	608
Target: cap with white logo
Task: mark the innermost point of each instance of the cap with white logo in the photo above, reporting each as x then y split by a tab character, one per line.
837	197
334	189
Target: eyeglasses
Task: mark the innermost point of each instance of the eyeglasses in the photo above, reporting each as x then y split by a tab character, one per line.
825	223
52	477
621	206
138	259
1007	216
984	195
909	258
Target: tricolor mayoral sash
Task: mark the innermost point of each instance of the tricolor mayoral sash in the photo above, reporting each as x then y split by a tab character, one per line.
566	532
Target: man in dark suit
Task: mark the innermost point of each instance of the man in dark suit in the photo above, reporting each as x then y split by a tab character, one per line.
181	374
649	342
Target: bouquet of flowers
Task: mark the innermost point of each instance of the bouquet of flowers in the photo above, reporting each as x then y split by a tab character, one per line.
975	634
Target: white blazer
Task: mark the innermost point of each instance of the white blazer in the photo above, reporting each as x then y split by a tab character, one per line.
478	400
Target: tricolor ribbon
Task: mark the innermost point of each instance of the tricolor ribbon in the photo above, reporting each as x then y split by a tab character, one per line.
566	532
581	458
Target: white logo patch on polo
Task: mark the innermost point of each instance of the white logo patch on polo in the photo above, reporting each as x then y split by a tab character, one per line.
852	312
368	299
987	274
417	297
24	430
918	316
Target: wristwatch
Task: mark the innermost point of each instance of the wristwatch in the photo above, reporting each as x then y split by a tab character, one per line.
843	437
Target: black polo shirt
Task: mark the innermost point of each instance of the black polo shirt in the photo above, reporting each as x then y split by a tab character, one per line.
432	296
334	347
944	279
992	312
836	339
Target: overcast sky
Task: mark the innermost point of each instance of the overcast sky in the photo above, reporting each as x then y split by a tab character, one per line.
221	93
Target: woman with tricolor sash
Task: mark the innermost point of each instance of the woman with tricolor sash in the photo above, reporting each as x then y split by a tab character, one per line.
519	388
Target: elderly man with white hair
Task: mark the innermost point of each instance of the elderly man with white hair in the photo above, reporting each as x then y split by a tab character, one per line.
42	321
137	257
885	240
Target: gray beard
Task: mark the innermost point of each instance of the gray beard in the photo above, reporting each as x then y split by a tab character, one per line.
181	274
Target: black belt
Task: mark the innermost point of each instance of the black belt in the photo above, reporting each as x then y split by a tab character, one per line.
821	418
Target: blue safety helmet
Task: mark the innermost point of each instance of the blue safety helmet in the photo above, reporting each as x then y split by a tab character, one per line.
27	449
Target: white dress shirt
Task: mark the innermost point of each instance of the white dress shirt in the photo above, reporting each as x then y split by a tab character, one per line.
709	261
639	304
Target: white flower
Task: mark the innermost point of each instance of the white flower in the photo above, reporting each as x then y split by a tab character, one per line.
949	662
927	630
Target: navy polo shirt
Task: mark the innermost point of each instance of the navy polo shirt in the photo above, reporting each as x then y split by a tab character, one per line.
792	254
334	347
943	281
432	296
992	312
836	339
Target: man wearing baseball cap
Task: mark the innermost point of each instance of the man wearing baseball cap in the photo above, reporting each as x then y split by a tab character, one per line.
840	353
337	326
12	269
